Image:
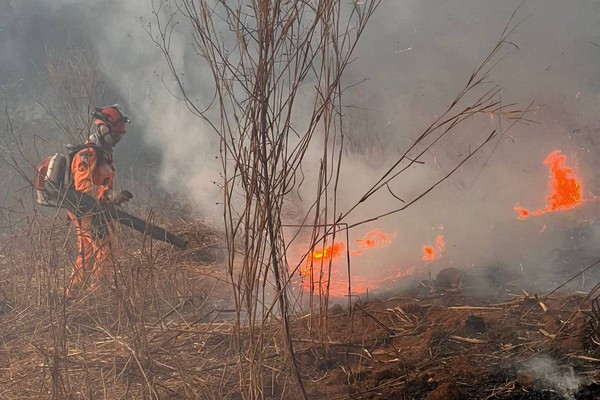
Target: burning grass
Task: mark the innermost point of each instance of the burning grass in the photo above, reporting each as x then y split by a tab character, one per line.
565	187
164	328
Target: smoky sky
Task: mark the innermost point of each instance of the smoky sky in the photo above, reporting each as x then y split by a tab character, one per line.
26	28
414	58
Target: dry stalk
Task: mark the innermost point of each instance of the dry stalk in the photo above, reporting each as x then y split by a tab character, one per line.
265	57
262	55
103	344
75	86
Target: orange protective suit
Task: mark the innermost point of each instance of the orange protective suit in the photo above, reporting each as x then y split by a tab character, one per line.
93	173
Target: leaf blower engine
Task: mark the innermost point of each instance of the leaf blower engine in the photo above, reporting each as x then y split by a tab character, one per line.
51	176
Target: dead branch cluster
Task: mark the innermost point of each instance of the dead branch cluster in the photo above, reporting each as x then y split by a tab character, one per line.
155	328
278	76
73	87
155	331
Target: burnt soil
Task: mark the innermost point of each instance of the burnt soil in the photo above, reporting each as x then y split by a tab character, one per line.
433	343
163	328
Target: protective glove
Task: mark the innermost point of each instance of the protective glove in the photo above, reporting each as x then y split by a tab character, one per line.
118	197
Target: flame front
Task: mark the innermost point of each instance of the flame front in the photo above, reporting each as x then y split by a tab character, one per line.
328	253
317	261
565	187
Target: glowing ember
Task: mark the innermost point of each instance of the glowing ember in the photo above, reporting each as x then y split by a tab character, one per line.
439	242
430	253
523	213
374	239
565	187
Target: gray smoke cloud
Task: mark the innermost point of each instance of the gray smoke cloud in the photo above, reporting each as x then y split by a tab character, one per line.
415	57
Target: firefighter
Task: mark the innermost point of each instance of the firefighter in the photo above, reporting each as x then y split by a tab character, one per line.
93	173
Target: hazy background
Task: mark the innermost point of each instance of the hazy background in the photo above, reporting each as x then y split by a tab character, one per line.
415	57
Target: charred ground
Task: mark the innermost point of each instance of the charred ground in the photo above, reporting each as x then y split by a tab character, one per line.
163	326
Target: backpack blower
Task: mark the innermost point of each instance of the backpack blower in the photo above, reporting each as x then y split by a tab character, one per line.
53	189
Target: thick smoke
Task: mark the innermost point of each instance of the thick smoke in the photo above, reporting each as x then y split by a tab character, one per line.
416	56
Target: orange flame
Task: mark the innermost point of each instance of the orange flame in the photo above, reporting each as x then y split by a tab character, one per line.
439	242
338	286
372	240
430	253
328	253
565	187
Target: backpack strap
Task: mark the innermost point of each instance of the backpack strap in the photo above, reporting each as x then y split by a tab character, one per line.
76	149
73	150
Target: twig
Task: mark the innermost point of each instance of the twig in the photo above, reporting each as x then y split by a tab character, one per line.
468	340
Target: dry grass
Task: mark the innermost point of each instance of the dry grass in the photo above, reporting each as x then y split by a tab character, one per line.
145	332
164	327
